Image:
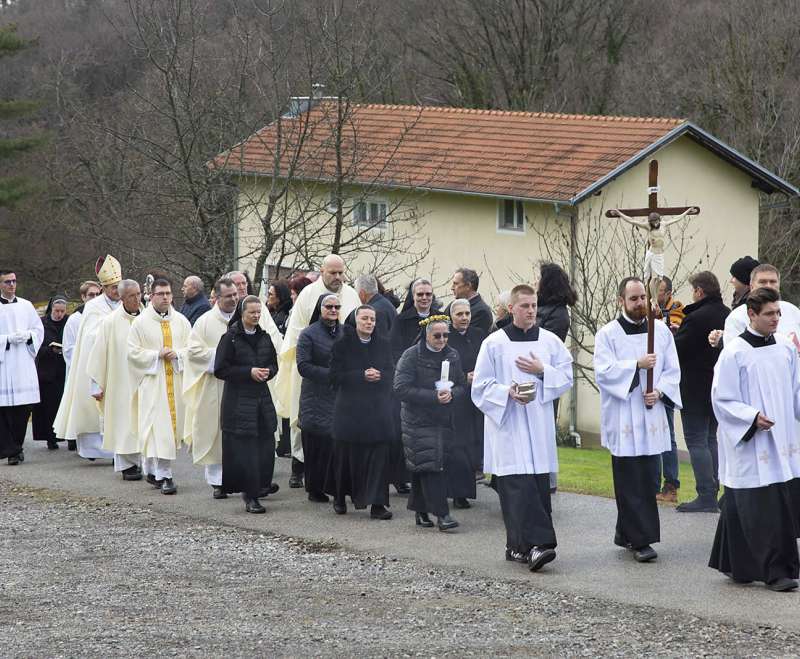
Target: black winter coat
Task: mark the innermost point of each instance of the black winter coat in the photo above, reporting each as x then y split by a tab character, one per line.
428	426
697	358
362	411
314	347
245	402
554	318
406	330
281	317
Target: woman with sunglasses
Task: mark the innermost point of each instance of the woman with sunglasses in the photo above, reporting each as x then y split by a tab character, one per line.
427	389
361	374
314	347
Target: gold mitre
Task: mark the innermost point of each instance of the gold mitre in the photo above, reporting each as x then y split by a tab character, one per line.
109	270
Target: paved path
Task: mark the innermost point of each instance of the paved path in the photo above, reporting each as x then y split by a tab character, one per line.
588	563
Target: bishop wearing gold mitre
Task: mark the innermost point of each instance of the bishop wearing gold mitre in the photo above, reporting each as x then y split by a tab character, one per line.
156	353
78	416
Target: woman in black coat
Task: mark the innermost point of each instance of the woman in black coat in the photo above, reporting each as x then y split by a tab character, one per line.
466	340
361	374
279	303
314	347
51	370
428	421
246	360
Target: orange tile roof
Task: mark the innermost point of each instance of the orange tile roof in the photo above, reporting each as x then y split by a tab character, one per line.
512	154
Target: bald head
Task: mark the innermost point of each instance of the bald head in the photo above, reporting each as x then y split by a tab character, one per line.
332	272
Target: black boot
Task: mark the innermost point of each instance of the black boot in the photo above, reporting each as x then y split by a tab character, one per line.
254	506
446	522
132	474
72	445
423	520
52	445
219	493
379	512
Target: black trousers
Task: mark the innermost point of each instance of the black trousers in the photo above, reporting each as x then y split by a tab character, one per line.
317	451
527	513
13	425
755	539
429	493
45	412
635	490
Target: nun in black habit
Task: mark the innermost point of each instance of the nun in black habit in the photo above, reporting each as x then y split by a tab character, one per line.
51	370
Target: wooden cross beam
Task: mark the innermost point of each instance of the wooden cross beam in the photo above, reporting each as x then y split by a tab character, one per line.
653	207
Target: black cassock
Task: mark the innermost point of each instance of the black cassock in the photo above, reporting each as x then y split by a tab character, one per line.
51	370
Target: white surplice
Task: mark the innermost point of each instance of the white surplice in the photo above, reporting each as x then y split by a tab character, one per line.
627	427
70	337
19	384
747	381
520	439
157	414
737	321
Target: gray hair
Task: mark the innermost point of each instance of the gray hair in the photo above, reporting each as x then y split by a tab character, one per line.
126	285
504	298
420	282
328	297
460	302
429	326
195	281
366	283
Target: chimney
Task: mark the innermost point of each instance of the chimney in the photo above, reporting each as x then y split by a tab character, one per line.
300	104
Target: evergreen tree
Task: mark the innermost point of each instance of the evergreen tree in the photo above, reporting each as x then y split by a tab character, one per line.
14	188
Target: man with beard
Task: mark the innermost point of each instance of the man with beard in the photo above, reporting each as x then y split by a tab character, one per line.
110	386
202	391
633	423
157	353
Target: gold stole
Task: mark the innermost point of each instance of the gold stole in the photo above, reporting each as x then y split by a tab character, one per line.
166	333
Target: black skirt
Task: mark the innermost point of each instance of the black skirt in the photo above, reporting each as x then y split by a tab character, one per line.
755	539
429	493
359	470
459	473
44	412
248	461
317	451
527	512
635	491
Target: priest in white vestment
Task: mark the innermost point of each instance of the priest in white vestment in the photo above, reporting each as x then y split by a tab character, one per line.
202	392
288	381
110	386
78	416
519	426
21	335
635	435
157	352
756	399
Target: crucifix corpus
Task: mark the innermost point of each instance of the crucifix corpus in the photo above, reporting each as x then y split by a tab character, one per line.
654	268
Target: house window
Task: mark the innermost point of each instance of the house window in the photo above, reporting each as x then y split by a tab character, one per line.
370	213
510	215
333	204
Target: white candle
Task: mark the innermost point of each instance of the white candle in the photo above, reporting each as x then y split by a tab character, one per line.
445	371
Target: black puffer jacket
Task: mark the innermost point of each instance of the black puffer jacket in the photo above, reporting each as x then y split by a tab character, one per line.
427	425
245	401
314	347
362	411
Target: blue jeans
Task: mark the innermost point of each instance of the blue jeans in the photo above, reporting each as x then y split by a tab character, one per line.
700	432
669	459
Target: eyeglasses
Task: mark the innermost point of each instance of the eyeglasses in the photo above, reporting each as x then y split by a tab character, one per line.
423	294
332	306
9	282
92	294
440	335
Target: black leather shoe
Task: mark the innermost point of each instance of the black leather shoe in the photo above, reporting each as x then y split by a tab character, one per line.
52	446
254	506
132	474
317	497
21	456
445	523
339	507
72	445
782	585
538	558
516	556
168	486
423	520
272	489
219	493
14	460
644	554
402	488
295	481
153	481
698	506
379	512
462	503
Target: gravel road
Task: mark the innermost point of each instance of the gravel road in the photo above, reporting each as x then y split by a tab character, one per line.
98	578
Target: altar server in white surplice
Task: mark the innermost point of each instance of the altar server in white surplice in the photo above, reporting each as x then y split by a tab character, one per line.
78	416
110	376
21	335
519	428
635	435
756	399
202	391
157	353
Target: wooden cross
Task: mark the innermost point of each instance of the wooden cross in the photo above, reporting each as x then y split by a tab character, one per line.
653	207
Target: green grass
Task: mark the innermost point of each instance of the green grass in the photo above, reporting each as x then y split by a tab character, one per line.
588	471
